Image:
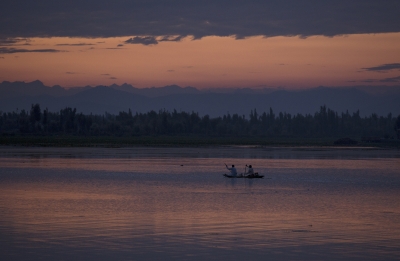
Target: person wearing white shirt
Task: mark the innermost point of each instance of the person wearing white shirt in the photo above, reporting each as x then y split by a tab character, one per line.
232	170
250	170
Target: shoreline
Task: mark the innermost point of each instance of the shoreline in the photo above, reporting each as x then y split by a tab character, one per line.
187	141
255	155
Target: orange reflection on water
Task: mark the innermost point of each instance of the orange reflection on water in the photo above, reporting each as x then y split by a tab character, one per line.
158	165
260	215
117	203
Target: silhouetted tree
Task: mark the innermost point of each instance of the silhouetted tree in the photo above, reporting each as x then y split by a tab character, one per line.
397	127
324	123
35	115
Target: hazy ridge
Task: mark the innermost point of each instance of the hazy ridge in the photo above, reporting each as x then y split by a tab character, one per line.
214	102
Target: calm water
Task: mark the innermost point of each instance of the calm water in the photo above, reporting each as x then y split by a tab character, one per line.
174	204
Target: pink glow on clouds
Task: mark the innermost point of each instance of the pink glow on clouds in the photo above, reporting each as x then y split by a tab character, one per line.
289	62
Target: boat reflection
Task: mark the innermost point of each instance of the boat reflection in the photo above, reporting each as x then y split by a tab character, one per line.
182	208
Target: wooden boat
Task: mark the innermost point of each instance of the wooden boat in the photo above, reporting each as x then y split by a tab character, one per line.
241	176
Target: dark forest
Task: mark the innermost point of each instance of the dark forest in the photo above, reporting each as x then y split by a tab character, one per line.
324	123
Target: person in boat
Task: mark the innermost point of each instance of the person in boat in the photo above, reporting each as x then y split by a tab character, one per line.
232	170
250	170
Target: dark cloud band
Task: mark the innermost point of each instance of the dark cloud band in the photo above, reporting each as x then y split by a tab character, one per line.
150	40
4	50
105	18
384	67
77	44
391	80
385	80
146	40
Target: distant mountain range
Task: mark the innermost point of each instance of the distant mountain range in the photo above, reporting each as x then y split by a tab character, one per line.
214	102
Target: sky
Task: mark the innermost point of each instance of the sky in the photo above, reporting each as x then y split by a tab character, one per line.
205	44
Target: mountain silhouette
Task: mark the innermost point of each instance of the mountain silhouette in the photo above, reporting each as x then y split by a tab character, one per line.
16	96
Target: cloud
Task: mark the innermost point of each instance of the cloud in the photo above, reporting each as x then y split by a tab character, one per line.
145	40
368	80
199	18
120	45
170	70
13	41
390	80
5	50
384	67
172	38
150	40
385	80
72	73
1	57
77	44
109	76
8	41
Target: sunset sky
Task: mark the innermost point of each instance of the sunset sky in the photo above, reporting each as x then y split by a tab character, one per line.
204	44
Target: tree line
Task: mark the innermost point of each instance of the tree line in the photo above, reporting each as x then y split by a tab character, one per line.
323	123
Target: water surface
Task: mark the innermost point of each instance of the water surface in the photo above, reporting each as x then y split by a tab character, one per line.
174	204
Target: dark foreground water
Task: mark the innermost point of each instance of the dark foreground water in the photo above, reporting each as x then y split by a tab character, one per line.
174	204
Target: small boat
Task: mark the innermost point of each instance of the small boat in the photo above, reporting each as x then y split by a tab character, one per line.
241	176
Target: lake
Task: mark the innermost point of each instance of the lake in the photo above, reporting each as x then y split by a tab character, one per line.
147	203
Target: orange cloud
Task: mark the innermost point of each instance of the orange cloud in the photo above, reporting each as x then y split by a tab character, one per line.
290	62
